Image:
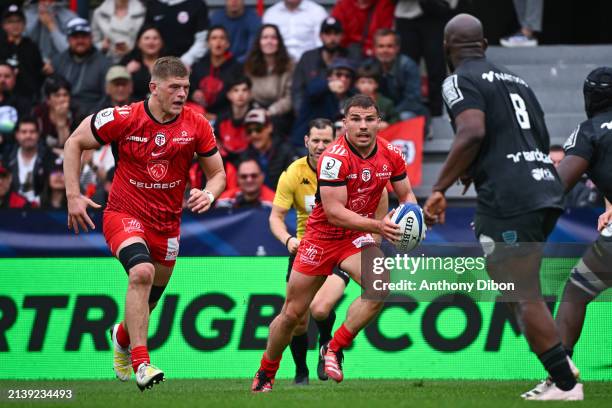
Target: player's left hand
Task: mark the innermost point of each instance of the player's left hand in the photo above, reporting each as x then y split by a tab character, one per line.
198	201
435	208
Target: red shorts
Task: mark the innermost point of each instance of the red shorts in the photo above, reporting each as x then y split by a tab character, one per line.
318	257
120	226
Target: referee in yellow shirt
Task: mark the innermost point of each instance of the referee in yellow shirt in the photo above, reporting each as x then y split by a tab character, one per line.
297	187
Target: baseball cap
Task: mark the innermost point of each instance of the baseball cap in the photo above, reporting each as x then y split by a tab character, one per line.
341	63
257	115
331	24
13	10
117	72
78	25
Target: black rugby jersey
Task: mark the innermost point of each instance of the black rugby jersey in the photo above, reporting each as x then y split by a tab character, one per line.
512	173
592	141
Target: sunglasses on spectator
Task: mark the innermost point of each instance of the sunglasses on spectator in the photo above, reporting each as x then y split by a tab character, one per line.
254	128
249	176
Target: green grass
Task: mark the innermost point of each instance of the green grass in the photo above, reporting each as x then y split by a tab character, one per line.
350	393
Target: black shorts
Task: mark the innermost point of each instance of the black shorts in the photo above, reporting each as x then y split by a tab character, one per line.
522	231
337	271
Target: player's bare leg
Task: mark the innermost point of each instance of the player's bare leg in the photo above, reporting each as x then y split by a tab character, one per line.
301	290
322	311
360	313
534	317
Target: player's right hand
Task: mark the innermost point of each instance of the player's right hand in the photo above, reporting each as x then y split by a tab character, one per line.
388	229
435	208
292	245
604	220
77	213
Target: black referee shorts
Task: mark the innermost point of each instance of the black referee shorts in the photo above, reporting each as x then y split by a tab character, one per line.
337	271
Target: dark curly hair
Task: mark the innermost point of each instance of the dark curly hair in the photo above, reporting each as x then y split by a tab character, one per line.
255	64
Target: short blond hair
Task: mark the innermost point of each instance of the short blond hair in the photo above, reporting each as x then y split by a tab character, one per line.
168	67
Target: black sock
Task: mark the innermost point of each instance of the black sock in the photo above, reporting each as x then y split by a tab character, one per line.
299	348
569	351
325	328
555	362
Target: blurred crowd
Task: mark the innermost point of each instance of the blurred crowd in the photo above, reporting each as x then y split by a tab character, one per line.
259	79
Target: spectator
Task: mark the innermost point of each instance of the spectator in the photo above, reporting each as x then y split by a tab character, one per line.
584	193
209	75
270	69
251	191
28	161
230	128
315	62
114	26
46	25
360	20
183	25
57	116
299	22
12	105
119	88
8	197
241	23
420	26
83	66
368	79
400	80
273	156
529	14
324	98
149	47
22	53
53	196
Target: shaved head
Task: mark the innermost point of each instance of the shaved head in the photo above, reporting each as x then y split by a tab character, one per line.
463	38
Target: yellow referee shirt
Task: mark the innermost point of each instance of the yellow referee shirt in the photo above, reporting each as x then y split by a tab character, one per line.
296	188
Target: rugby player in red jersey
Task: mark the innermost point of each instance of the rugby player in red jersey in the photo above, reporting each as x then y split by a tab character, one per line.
154	142
352	174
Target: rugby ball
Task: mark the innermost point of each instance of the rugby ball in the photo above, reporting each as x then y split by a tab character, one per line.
410	219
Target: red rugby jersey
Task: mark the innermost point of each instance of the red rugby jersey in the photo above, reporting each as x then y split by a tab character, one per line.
152	161
365	179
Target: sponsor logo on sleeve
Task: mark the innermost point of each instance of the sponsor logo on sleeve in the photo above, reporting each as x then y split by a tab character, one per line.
571	140
330	168
103	117
451	92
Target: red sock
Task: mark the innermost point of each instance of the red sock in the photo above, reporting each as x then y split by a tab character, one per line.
270	366
342	339
123	337
140	355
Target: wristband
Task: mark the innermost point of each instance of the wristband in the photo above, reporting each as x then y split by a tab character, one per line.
211	196
287	241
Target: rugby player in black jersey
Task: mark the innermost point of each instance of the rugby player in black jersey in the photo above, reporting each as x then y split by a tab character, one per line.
501	144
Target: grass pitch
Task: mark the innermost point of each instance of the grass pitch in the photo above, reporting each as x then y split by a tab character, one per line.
350	393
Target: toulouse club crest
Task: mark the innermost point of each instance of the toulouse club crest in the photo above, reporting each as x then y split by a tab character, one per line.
157	169
160	139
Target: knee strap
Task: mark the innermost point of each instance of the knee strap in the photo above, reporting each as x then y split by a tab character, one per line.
133	255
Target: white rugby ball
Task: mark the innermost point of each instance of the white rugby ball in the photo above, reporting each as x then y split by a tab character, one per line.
410	219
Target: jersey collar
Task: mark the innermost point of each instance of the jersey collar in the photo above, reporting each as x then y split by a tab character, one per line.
357	152
308	162
150	115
